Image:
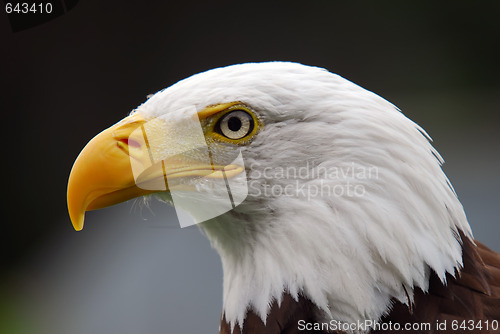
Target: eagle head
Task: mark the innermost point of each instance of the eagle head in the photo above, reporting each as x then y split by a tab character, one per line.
305	183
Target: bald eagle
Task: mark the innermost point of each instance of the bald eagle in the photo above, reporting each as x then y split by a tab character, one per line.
328	207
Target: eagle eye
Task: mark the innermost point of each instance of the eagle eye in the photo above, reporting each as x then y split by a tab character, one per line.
236	124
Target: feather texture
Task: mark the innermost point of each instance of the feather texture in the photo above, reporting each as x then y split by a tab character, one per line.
470	301
309	252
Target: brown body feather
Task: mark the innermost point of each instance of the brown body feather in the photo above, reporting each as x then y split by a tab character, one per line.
465	303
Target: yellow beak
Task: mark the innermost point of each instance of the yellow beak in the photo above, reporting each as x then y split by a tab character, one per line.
101	175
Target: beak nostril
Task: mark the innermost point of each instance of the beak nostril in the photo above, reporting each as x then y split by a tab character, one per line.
130	142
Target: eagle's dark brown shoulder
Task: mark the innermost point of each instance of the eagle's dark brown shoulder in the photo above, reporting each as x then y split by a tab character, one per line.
282	319
471	300
473	295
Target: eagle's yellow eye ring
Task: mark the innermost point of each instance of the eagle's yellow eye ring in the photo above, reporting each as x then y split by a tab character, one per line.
236	124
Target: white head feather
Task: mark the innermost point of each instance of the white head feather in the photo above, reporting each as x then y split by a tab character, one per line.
349	254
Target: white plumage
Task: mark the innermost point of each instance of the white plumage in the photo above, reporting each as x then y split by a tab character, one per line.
350	255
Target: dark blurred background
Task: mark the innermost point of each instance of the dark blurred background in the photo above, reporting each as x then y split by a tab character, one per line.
132	269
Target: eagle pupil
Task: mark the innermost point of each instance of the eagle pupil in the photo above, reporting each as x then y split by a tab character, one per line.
234	124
